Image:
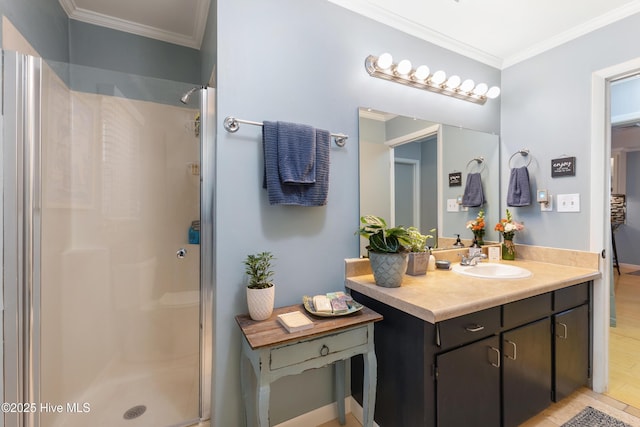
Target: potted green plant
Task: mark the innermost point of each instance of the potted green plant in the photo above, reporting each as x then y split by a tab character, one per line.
388	248
260	288
418	252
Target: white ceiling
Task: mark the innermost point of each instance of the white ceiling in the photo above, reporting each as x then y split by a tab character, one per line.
496	32
180	22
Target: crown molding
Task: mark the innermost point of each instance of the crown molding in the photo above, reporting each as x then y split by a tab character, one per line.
193	40
405	25
410	27
575	32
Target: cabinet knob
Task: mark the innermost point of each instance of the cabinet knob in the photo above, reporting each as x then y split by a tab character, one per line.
324	350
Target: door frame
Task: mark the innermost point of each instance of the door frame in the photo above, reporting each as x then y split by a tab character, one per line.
415	177
599	226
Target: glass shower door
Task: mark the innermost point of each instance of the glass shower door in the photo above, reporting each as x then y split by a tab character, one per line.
112	313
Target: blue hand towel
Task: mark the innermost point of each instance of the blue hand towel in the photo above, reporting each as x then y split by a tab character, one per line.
473	194
296	153
280	193
519	193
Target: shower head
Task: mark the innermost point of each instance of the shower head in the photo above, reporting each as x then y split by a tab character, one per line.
185	98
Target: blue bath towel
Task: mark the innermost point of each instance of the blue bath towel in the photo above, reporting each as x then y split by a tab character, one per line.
280	193
473	194
296	153
519	193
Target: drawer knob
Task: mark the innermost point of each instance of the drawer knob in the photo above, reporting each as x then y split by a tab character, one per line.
324	350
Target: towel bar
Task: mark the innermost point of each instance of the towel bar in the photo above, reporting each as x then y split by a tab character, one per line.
524	153
231	124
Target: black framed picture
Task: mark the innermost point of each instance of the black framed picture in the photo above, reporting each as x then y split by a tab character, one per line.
564	166
455	179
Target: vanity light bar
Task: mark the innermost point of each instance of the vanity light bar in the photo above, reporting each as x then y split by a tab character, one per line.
383	67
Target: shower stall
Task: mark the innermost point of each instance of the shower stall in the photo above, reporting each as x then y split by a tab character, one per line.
108	189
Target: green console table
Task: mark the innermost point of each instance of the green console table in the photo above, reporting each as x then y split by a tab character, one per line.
272	353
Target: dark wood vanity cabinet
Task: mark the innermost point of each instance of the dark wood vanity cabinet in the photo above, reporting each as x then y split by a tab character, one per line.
496	367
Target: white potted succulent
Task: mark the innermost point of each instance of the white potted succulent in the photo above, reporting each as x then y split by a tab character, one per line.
260	289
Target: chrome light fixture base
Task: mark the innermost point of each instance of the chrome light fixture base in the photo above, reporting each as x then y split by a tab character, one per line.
409	79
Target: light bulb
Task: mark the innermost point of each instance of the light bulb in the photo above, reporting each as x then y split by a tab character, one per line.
404	67
494	92
438	77
467	86
481	89
384	61
422	72
453	82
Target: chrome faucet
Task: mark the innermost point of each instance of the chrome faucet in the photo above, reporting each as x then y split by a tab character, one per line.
473	259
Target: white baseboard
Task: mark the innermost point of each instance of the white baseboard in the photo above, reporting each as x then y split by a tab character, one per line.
356	410
318	416
630	266
325	414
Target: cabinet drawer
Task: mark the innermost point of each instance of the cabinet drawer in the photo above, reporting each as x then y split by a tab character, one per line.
468	328
572	296
527	310
293	354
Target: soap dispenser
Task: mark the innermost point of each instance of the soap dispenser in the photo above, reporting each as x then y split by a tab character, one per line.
431	266
458	243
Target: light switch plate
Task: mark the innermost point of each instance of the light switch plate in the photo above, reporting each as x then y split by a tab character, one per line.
452	205
568	202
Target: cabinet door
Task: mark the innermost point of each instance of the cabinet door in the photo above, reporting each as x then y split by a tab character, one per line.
571	351
526	364
468	385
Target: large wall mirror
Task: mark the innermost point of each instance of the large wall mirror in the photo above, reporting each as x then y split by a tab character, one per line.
405	165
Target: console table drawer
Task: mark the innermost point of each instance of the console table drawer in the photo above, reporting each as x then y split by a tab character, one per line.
304	351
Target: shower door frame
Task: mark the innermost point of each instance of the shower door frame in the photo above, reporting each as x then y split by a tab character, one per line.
21	237
21	208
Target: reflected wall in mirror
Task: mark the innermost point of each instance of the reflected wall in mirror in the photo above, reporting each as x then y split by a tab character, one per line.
404	168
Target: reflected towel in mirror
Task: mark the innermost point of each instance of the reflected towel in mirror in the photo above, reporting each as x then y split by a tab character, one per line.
473	194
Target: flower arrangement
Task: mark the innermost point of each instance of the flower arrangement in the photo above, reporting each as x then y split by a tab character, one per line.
508	227
477	227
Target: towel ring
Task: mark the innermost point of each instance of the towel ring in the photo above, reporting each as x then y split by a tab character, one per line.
480	162
524	153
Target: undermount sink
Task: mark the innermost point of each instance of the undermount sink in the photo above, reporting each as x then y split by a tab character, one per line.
492	271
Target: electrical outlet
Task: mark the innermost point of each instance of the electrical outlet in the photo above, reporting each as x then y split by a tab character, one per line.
568	202
452	205
548	205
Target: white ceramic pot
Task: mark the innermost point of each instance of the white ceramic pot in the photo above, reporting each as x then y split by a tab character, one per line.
260	302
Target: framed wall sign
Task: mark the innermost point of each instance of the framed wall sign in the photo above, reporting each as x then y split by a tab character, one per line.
565	166
455	179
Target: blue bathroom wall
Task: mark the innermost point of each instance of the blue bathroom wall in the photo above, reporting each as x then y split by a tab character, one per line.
628	234
106	49
43	22
304	62
546	107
